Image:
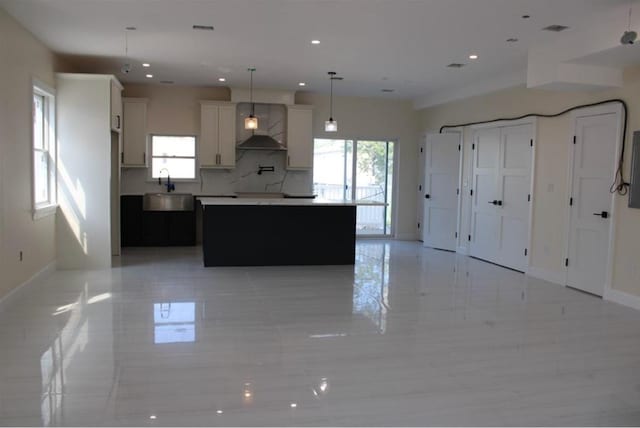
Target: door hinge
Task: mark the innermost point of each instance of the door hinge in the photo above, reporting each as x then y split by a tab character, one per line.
526	252
529	198
418	225
531	142
420	187
421	150
457	191
566	262
570	202
471	192
575	138
469	238
459	147
456	235
473	147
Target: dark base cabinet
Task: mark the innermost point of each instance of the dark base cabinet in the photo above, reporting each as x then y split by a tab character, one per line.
258	235
141	228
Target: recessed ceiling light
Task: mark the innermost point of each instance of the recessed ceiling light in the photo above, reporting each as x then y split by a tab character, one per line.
556	28
512	40
294	405
315	42
473	56
203	27
302	84
146	64
153	417
456	65
219	412
149	76
222	79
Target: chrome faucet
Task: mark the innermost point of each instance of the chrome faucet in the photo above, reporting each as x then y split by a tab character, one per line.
170	186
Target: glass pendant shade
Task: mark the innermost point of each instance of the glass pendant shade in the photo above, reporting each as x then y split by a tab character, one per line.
331	125
251	122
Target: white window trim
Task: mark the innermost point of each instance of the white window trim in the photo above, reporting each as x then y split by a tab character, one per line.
150	177
41	210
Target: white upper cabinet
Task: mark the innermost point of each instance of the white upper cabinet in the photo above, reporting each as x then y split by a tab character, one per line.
134	146
299	137
217	145
116	106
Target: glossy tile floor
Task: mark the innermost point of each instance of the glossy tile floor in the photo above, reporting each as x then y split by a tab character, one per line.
407	337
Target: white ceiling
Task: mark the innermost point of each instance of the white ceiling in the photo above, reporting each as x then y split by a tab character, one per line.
399	44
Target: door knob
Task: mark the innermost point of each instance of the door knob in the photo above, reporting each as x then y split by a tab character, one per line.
603	214
427	196
500	203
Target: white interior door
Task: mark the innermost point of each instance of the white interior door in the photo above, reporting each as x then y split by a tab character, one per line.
484	197
594	157
502	161
441	172
514	184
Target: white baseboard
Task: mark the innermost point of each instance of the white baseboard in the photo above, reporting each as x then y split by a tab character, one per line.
463	250
406	237
622	298
546	275
16	292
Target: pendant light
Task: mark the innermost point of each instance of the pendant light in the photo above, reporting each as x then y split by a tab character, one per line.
251	122
331	125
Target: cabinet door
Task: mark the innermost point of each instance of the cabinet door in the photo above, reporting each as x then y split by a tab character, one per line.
209	129
227	136
299	138
135	134
116	107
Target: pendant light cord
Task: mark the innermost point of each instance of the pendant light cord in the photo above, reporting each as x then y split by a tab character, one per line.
251	70
331	100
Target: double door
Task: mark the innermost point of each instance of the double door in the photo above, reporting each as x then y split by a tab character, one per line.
501	195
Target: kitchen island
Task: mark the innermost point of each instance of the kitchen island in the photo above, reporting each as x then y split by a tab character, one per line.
275	232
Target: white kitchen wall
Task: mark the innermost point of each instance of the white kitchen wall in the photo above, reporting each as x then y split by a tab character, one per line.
243	178
22	57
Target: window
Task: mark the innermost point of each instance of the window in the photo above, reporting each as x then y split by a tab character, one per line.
174	156
357	170
44	150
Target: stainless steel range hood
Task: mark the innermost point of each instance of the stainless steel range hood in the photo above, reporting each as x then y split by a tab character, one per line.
260	142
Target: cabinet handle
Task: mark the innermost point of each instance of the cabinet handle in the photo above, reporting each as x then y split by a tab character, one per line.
144	158
288	160
121	157
118	116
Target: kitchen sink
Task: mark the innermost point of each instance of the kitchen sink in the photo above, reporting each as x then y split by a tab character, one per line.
167	202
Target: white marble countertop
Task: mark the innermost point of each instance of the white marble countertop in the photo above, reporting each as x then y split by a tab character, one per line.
284	201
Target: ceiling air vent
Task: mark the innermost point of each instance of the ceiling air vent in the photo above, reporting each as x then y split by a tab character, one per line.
556	28
203	27
387	90
455	65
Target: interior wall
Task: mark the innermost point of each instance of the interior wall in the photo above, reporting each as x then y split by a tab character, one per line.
22	57
554	137
377	119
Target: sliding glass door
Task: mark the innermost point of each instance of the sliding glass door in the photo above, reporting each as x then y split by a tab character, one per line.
361	171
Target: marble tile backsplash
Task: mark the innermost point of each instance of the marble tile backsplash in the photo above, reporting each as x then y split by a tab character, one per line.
244	178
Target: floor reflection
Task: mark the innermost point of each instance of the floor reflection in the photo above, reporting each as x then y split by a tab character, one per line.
174	322
371	283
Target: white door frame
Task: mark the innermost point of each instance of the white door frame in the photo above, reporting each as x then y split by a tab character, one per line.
460	132
586	112
533	121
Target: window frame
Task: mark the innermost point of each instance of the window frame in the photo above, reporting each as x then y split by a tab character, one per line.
150	176
48	207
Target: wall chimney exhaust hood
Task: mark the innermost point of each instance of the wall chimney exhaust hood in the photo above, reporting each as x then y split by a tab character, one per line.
260	142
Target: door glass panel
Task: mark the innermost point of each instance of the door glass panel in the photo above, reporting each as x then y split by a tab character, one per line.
334	179
332	169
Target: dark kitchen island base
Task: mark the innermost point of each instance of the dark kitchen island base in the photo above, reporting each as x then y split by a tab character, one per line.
277	235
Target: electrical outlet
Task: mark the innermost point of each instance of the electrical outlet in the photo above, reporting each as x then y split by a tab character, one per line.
20	255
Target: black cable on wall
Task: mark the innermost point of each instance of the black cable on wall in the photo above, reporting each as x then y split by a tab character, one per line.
620	185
